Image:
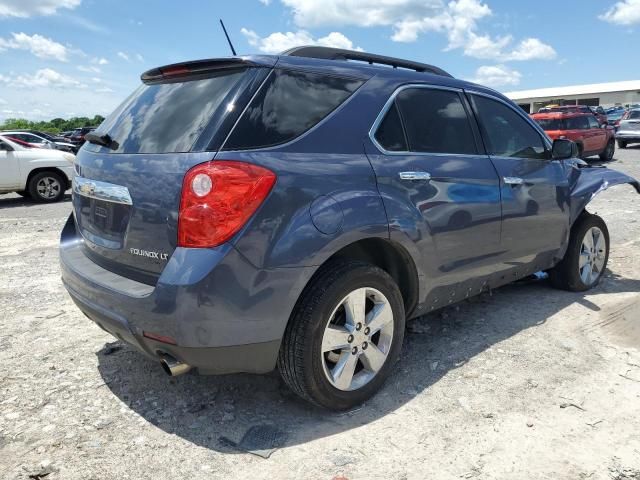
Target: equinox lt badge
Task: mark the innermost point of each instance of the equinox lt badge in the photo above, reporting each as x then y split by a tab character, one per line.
148	254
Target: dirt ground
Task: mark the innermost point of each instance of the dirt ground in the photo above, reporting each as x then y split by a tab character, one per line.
526	383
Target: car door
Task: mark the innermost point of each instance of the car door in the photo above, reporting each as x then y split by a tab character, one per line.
534	188
597	134
9	167
439	188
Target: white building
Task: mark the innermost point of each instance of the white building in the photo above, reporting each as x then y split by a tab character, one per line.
605	94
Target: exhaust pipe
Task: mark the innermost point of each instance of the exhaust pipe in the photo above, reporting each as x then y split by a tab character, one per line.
173	367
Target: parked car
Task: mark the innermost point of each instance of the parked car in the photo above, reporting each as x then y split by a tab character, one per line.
614	118
41	140
600	115
40	174
77	137
303	226
581	128
629	128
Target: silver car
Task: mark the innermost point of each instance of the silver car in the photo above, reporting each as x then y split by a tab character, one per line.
629	129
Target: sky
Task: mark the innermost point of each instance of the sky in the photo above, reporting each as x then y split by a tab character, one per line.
64	58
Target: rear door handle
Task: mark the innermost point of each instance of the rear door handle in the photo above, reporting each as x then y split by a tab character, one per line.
414	176
513	180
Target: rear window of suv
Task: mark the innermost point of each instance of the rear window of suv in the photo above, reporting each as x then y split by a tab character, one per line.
167	117
287	105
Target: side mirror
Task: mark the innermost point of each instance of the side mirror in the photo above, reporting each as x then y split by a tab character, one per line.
563	149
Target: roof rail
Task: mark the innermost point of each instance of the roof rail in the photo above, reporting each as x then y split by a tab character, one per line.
370	58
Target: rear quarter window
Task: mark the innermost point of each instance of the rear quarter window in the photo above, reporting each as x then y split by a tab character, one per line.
287	105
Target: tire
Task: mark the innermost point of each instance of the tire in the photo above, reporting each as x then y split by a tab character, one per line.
312	373
47	187
24	193
622	144
609	151
568	275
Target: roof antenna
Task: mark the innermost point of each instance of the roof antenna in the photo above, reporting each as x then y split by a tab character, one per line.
233	50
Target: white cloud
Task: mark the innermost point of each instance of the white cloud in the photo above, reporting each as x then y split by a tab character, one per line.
45	77
123	56
100	61
312	13
41	47
29	8
89	69
3	101
104	90
139	57
626	12
457	19
485	47
278	41
496	76
265	2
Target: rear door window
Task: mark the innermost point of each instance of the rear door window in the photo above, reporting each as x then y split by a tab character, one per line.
435	121
167	117
577	123
288	104
593	123
506	133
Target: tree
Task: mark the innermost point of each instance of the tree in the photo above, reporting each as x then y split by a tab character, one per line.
54	126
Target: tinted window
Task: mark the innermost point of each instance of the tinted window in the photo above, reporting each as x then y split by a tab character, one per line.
435	121
166	117
506	133
593	123
577	123
633	115
551	123
288	104
390	135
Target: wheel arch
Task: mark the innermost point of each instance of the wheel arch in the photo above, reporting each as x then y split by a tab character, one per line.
35	171
387	255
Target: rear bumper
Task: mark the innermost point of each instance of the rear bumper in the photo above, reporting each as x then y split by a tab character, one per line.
225	315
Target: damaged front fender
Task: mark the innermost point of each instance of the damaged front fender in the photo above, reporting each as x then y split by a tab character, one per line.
585	182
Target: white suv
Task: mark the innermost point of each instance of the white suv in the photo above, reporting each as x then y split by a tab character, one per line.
39	173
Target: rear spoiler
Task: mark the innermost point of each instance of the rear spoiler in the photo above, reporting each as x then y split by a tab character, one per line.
200	67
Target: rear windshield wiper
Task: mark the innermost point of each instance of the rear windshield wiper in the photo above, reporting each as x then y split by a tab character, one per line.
104	140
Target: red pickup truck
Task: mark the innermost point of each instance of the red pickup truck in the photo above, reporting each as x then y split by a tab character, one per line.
582	128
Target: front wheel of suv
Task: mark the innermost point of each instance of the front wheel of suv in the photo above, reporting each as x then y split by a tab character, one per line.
608	152
586	257
344	335
46	187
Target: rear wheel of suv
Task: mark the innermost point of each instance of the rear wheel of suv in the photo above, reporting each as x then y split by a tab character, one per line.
622	144
344	335
46	187
586	257
609	150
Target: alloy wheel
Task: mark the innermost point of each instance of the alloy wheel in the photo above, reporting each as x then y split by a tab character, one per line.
48	187
357	339
592	256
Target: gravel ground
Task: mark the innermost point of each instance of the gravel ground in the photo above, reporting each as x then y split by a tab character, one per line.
528	382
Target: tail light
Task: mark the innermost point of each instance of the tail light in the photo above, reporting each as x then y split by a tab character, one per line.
218	198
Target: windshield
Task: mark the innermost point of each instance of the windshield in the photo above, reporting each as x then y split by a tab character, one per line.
167	117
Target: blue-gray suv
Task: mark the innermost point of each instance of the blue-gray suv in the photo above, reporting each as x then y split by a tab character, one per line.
292	211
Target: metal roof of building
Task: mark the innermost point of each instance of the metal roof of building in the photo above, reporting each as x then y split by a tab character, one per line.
560	92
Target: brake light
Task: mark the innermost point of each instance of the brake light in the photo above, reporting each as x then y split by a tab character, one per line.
218	198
